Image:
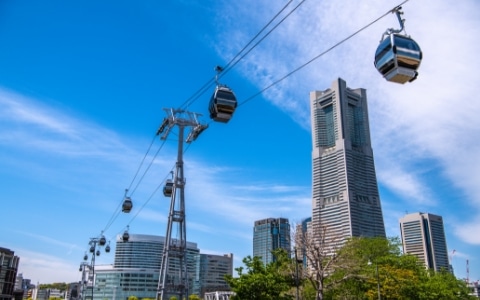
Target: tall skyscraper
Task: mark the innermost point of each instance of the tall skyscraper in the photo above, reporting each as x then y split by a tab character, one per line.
423	235
345	198
270	234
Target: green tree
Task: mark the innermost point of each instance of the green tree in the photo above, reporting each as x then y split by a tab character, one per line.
376	265
442	285
194	297
260	282
62	286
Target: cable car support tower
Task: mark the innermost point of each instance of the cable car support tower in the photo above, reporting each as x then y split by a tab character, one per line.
176	248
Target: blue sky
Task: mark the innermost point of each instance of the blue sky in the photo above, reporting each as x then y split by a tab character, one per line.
83	85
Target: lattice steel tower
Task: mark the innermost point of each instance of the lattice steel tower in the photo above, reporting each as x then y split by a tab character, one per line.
171	284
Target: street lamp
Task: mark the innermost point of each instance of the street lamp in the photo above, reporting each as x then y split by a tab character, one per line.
378	279
296	270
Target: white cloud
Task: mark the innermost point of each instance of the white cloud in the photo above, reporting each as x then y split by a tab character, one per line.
32	125
42	264
49	240
406	184
466	230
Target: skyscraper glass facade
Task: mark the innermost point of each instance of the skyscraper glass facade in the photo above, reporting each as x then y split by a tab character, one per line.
270	234
344	185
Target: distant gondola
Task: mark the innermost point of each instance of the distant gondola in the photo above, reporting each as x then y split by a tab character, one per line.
125	236
127	205
102	241
398	56
168	188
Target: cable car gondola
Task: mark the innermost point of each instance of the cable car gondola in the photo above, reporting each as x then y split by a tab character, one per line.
125	236
102	241
127	205
398	56
223	101
168	188
222	104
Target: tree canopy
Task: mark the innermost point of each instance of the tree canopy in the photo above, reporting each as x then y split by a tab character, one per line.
260	282
363	268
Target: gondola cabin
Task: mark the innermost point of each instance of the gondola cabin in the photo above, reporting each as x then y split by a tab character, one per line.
125	236
222	104
102	241
397	58
127	205
168	188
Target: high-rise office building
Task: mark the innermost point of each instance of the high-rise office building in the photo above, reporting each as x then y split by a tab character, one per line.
423	235
136	268
211	271
270	234
8	272
345	197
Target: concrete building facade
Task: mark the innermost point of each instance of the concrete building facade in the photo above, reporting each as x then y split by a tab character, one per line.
423	235
210	273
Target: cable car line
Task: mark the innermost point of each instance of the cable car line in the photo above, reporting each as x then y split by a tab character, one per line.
232	62
320	55
228	67
141	163
148	167
223	102
156	190
117	210
140	209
